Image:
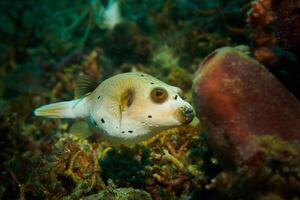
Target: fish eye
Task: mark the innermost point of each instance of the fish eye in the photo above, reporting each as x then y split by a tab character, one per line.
159	95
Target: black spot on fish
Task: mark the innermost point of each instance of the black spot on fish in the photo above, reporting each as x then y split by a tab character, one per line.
142	75
102	120
98	97
149	116
130	131
123	131
176	96
151	83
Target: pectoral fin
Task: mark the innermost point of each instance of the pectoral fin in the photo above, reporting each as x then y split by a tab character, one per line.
81	129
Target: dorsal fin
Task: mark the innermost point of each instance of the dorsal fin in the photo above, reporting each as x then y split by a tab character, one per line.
84	85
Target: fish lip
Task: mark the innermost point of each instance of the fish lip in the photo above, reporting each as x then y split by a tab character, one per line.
186	114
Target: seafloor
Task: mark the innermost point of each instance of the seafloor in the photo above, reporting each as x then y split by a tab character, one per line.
46	45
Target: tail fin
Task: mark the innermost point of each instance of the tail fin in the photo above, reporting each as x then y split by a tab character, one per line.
66	109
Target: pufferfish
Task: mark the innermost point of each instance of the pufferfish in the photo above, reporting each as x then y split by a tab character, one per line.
126	108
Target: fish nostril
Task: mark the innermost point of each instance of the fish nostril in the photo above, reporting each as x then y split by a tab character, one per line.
188	111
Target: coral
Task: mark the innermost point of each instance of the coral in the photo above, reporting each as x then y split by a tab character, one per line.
287	30
111	192
261	18
238	99
73	168
91	65
275	176
274	25
177	169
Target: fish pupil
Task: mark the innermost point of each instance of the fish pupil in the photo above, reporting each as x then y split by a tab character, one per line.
158	93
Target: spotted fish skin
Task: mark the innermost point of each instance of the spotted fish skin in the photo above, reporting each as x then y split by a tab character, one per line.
128	108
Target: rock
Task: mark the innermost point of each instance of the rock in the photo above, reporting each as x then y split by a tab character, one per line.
120	193
237	100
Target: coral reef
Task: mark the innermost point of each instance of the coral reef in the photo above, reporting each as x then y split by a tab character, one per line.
275	176
45	46
73	168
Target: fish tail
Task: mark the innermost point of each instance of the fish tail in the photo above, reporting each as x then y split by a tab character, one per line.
66	109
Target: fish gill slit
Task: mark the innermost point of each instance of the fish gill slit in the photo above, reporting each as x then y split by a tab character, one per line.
95	123
130	98
127	99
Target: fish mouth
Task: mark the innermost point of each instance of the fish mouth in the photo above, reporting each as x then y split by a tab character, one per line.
186	114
